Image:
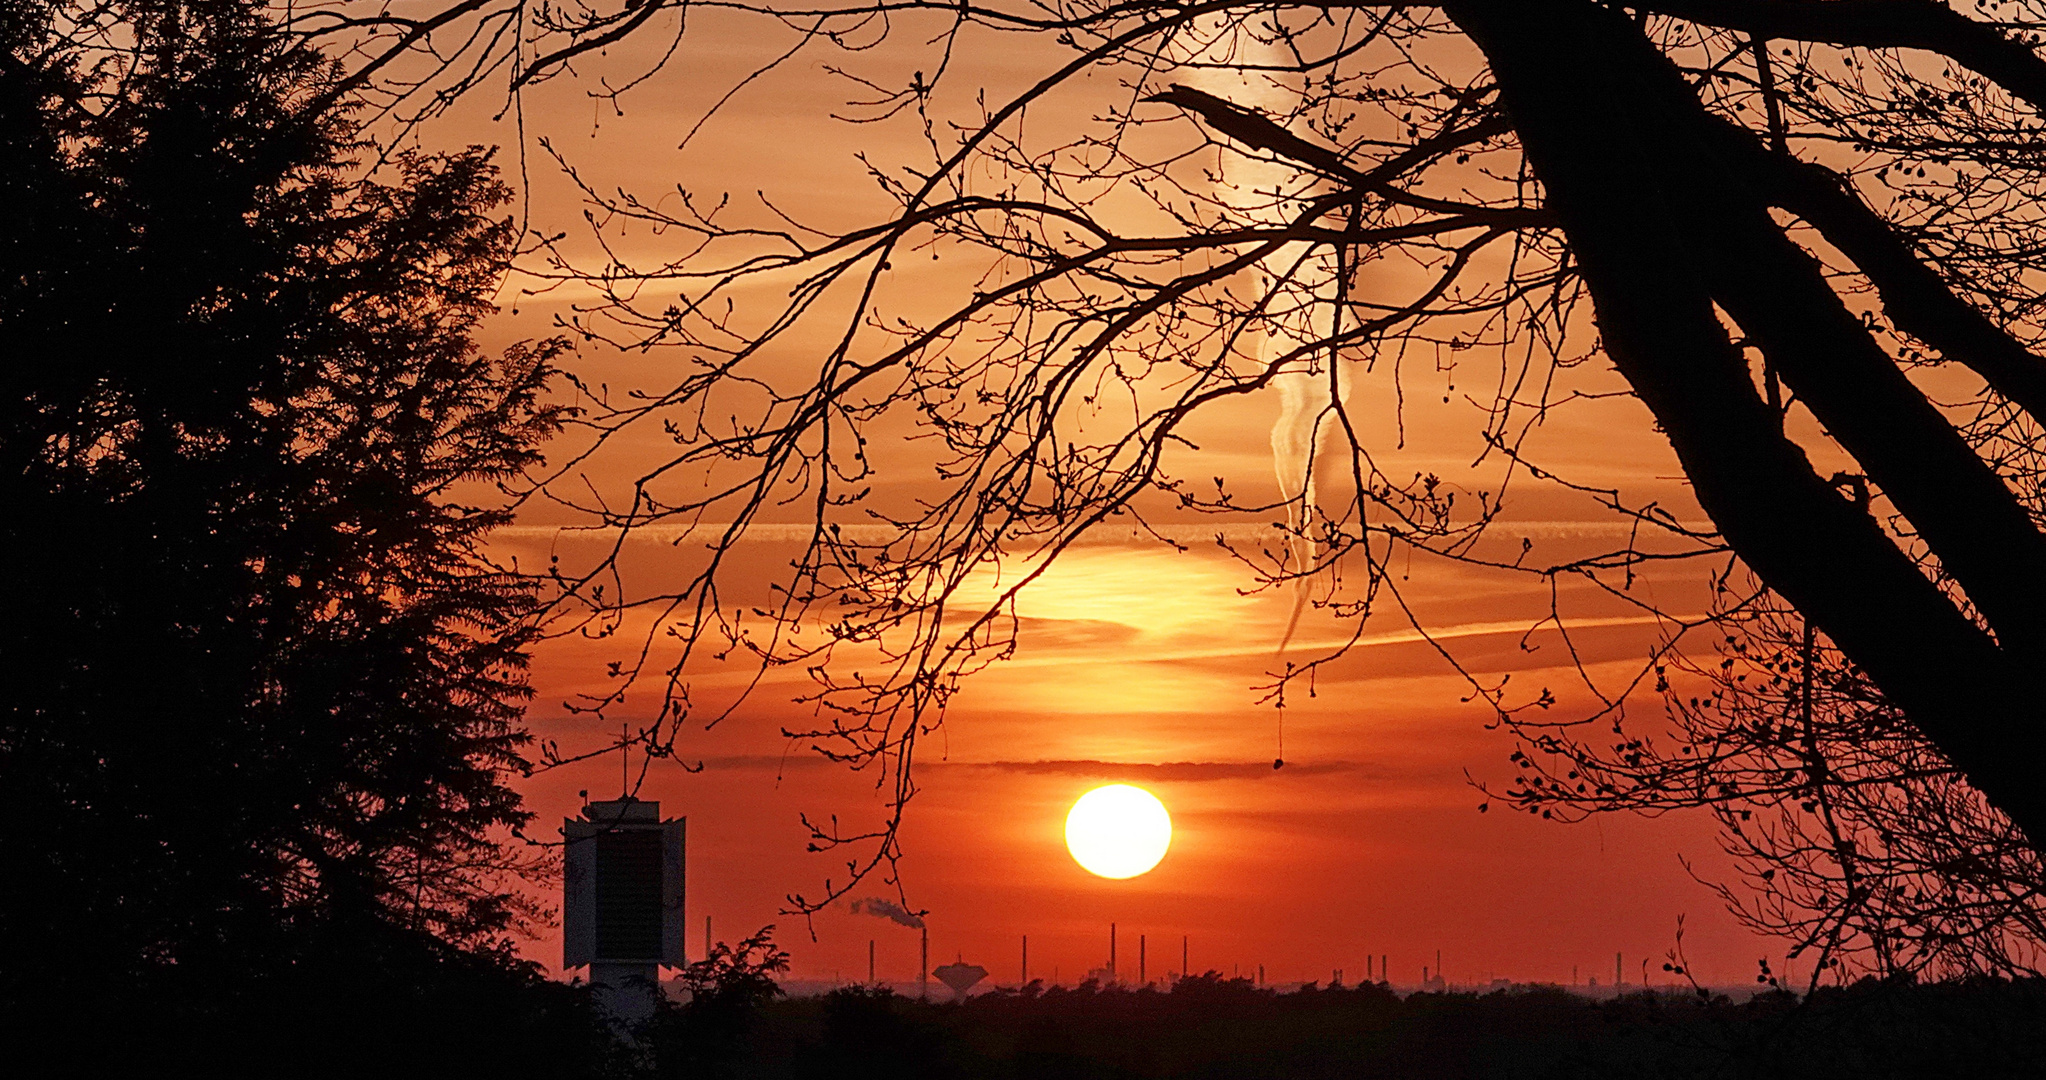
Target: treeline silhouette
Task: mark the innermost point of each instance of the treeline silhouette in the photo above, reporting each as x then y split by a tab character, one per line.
1210	1026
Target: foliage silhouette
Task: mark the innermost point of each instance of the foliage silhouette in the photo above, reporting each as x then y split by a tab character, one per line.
705	1034
264	687
1857	840
871	1033
1210	1026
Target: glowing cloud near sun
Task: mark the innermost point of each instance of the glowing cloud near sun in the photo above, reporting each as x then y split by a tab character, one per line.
1118	831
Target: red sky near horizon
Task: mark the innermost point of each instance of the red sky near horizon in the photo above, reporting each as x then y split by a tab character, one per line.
1141	664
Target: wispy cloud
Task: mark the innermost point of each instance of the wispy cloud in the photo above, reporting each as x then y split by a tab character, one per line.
1234	532
1168	771
1155	771
1255	646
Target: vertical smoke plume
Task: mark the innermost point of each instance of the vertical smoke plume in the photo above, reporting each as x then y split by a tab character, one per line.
1307	406
1231	62
886	909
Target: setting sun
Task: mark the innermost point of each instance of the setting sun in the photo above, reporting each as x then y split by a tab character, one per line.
1118	831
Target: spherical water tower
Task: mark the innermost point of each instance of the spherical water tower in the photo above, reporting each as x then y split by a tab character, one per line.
960	976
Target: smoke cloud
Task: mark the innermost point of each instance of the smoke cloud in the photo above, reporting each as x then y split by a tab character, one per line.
888	909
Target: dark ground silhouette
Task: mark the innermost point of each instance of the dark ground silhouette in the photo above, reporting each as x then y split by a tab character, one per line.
1216	1027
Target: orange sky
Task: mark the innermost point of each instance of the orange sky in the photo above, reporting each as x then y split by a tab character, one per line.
1138	663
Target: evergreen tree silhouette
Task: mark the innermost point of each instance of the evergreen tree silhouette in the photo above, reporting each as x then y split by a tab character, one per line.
263	688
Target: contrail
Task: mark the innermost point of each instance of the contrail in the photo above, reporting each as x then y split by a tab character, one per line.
1299	438
1307	400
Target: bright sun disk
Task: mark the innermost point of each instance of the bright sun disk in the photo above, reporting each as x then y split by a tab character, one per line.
1118	831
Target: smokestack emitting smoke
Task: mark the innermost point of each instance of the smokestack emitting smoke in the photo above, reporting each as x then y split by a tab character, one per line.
886	909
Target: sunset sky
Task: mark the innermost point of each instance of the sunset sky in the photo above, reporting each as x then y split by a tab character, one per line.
1137	663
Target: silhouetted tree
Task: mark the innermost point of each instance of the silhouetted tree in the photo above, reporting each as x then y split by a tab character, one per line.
705	1035
1751	210
1858	841
263	687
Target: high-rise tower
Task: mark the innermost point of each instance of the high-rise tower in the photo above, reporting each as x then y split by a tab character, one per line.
621	912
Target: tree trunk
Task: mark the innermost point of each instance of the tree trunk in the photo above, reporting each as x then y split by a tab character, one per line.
1663	227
